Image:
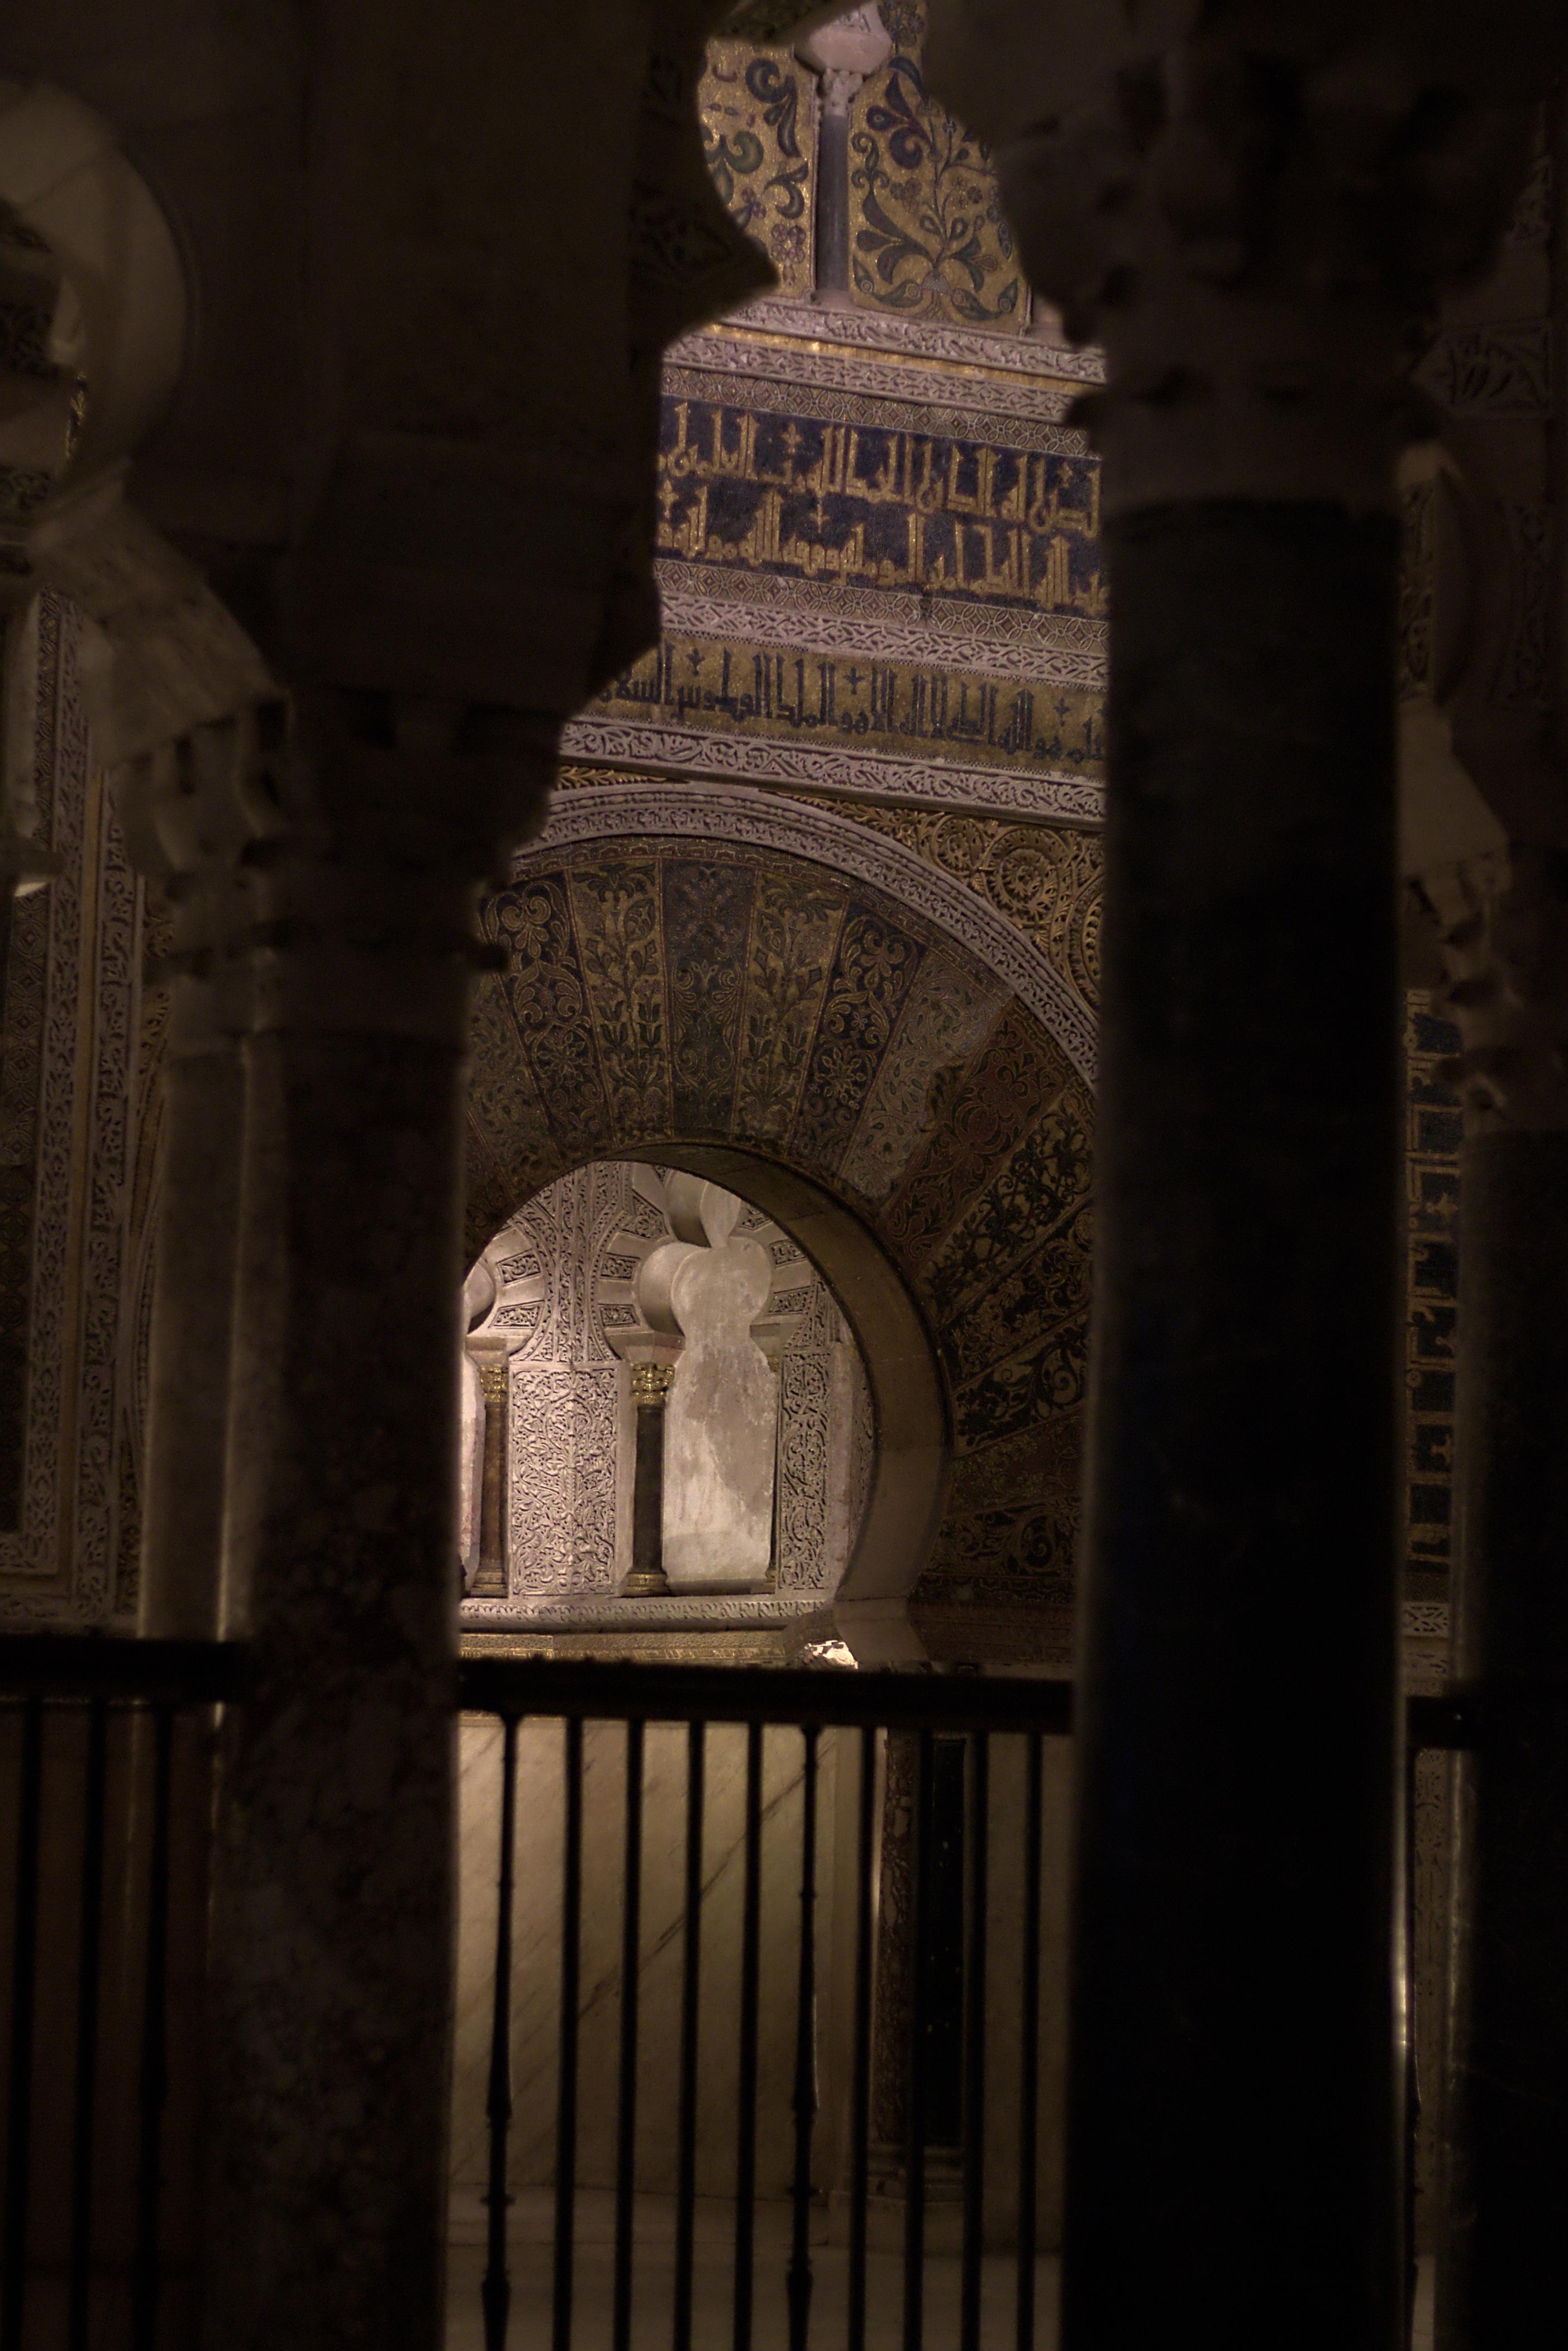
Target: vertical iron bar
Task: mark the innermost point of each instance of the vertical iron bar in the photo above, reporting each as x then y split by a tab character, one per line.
1412	2087
915	2092
859	2093
978	1832
798	2281
153	2084
23	1981
626	2116
89	1966
687	2147
750	1962
1029	2043
566	2100
495	2292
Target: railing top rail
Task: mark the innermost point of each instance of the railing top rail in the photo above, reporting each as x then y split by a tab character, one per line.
74	1666
600	1690
106	1665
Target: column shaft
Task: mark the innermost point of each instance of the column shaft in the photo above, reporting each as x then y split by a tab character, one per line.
650	1387
832	220
490	1582
1506	2121
333	1916
1233	2144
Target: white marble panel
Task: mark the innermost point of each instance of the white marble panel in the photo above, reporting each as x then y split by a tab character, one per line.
536	1975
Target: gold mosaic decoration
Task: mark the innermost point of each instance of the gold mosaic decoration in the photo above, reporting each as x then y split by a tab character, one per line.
1047	881
928	238
758	131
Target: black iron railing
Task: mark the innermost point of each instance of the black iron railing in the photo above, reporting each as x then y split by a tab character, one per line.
95	1735
862	1709
104	1745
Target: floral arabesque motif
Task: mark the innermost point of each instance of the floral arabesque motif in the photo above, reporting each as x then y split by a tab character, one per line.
932	240
757	145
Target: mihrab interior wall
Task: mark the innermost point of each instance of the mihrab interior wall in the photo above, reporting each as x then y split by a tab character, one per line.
569	1291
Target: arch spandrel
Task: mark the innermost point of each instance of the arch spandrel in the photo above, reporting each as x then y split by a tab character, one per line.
806	1037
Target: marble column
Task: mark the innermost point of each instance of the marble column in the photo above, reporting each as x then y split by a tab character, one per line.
1505	2158
490	1579
1243	230
650	1394
332	1912
841	54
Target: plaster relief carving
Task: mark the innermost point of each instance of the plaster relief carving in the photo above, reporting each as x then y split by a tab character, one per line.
770	1457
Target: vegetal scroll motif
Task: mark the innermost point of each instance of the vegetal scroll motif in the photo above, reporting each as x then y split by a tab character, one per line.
758	141
929	236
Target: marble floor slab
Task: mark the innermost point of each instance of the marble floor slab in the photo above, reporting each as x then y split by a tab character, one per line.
529	2238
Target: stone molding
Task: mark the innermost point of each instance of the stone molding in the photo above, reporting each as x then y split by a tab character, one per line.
1420	1620
883	623
913	338
597	811
590	1612
1048	798
882	390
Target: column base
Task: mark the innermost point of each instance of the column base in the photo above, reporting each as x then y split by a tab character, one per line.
646	1584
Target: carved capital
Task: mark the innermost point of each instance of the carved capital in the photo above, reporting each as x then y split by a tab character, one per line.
493	1379
1504	922
394	810
190	810
650	1382
1253	214
844	53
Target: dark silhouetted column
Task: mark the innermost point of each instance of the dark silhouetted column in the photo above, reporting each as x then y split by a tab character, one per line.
1243	232
332	1915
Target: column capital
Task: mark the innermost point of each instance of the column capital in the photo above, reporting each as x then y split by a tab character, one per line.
844	53
1503	924
650	1382
1254	213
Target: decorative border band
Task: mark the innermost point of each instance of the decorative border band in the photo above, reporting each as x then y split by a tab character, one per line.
923	339
878	391
594	1612
1048	798
881	624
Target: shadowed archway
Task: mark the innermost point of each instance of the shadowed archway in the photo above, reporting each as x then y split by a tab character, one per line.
799	1031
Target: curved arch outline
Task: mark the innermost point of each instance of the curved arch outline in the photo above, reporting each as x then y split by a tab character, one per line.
762	819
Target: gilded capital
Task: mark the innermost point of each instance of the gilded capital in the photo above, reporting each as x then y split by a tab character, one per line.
650	1382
